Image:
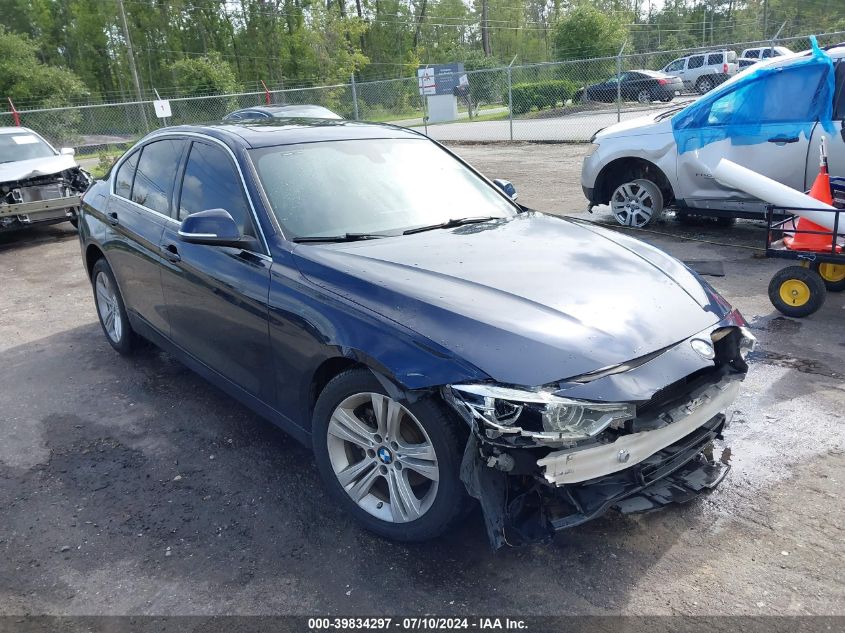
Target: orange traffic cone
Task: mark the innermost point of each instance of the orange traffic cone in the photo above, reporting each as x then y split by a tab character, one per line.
821	192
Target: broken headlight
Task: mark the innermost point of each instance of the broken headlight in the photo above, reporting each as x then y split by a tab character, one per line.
539	414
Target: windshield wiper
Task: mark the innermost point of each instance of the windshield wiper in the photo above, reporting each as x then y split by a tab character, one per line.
664	114
346	237
449	224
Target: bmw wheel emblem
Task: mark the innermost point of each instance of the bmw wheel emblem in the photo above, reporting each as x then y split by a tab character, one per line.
384	455
703	348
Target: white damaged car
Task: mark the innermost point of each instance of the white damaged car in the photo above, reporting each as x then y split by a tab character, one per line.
769	118
38	184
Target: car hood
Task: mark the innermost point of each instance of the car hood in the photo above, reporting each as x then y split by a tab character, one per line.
636	127
35	167
529	300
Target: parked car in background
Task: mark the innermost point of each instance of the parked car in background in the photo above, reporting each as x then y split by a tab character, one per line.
704	71
306	269
643	86
638	168
765	52
38	184
263	113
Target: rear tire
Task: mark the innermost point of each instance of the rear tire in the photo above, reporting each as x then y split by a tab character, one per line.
110	308
375	460
705	85
833	275
797	292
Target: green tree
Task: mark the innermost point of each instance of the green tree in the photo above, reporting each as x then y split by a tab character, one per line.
587	32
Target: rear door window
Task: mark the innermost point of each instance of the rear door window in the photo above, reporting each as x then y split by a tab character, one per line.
697	61
155	174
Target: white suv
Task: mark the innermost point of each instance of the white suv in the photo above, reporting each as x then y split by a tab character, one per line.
703	71
637	167
765	52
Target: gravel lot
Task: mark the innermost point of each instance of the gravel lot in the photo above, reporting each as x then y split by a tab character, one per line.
132	486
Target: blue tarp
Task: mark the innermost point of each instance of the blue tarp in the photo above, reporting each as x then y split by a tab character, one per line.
767	103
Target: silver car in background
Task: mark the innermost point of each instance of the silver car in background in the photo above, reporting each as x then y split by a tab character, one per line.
637	168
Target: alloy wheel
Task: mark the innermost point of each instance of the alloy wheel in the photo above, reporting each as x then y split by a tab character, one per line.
383	457
705	85
108	307
644	96
636	203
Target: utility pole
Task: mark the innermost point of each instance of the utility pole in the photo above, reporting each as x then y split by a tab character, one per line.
765	18
485	29
132	68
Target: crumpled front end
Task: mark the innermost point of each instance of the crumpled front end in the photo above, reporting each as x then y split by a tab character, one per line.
634	437
42	198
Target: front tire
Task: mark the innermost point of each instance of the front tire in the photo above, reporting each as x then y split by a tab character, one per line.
110	308
637	203
392	464
644	96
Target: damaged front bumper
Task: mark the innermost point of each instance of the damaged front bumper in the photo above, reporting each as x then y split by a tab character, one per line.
43	199
664	455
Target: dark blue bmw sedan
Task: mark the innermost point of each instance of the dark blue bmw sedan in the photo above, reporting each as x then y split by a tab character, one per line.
383	302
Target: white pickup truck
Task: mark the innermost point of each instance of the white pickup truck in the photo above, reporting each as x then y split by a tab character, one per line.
38	184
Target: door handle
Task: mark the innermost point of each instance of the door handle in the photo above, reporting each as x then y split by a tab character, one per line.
781	140
112	218
170	253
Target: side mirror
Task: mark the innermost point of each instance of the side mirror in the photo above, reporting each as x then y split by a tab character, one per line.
507	187
214	227
67	151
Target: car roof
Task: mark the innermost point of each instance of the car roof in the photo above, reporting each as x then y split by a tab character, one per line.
304	109
15	130
255	134
650	73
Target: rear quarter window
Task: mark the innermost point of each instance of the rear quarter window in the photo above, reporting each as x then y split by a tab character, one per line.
125	175
714	59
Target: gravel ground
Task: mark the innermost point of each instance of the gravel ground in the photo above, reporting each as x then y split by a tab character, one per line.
131	486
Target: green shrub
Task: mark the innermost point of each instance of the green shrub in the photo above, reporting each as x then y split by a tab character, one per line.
540	94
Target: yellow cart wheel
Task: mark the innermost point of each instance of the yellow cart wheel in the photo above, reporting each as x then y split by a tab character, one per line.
797	291
833	275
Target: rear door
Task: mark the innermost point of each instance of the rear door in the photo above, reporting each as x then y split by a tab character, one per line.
761	124
694	70
137	214
217	295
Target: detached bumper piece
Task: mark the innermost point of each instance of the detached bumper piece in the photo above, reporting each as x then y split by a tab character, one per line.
521	510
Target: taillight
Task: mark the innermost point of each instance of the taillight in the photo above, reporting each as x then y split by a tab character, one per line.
662	82
725	69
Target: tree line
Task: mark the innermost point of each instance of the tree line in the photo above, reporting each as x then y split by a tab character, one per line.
60	51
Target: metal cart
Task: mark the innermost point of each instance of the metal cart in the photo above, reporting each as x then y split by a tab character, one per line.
800	290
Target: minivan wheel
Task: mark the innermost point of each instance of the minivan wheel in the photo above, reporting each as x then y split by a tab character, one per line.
637	203
644	96
705	84
110	308
392	464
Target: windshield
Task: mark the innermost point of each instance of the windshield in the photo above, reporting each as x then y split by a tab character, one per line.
22	146
371	186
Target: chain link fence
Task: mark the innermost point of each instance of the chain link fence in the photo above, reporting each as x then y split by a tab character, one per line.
556	101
